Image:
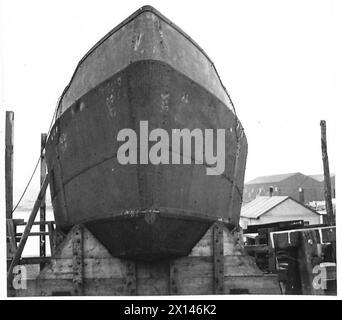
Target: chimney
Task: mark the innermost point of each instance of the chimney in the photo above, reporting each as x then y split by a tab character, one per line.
301	195
270	191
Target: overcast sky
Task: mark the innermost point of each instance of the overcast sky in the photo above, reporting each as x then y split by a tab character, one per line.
278	60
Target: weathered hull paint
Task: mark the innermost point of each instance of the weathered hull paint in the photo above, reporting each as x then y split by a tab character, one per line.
116	87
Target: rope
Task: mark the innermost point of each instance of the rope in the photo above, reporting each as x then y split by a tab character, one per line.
35	168
27	185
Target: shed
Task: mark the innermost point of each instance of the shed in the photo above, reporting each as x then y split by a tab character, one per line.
268	209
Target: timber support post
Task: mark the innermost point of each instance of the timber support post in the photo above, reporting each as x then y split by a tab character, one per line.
42	211
11	238
218	257
9	137
131	278
172	278
77	261
327	182
51	231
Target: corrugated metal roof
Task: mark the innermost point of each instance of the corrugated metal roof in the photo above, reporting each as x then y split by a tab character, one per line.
271	179
261	205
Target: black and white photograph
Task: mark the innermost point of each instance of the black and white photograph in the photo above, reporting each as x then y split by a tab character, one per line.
170	149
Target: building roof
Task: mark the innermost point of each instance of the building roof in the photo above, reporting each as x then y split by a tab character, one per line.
320	177
271	179
260	206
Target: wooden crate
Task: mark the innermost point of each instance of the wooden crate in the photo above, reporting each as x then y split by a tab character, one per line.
218	264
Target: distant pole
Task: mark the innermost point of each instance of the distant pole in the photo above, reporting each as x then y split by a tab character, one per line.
9	135
327	183
42	209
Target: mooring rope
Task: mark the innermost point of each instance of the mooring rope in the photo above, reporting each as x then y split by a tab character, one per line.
27	185
36	166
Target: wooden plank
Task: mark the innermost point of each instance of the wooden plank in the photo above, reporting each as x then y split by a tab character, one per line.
53	287
172	278
218	257
280	225
33	234
77	261
33	260
9	139
42	210
27	230
105	287
252	284
19	222
22	222
131	281
106	268
196	285
260	248
152	278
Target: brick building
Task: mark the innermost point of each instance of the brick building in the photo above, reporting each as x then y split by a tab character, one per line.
300	187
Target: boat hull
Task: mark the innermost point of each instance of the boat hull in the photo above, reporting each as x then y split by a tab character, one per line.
90	186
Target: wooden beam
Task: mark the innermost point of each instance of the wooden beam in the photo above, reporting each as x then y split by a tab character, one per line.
172	278
77	261
327	182
34	234
42	211
51	230
256	248
271	253
307	255
291	238
9	139
11	241
218	258
22	222
34	260
27	230
131	278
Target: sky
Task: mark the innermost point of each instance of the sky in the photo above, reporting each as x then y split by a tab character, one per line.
277	59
